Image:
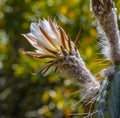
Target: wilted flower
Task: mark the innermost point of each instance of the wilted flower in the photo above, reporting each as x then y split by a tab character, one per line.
51	42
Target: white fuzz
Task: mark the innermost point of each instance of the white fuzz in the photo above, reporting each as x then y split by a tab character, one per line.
104	43
108	71
92	89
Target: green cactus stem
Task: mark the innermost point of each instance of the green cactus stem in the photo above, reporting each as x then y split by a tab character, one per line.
108	102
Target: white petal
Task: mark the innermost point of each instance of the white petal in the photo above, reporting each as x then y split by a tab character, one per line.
32	42
35	30
46	26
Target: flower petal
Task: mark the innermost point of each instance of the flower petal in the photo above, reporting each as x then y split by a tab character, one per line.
38	55
44	24
34	28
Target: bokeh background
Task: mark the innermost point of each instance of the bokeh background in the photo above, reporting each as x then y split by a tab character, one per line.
23	94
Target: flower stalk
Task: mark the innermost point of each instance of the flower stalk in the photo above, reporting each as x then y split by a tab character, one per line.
105	14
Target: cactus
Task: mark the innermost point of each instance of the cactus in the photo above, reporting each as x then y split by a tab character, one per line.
108	101
52	42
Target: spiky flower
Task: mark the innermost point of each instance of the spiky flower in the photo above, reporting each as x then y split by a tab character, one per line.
51	42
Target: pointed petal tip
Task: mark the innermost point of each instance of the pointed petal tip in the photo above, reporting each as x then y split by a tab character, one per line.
23	35
22	52
49	18
77	37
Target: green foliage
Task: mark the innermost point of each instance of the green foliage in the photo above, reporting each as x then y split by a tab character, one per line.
22	92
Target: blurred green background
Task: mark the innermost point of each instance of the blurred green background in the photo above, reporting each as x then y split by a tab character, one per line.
23	94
